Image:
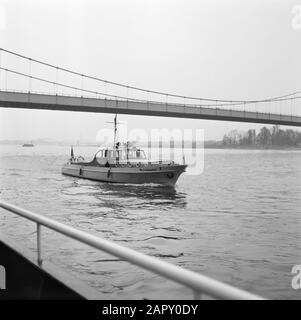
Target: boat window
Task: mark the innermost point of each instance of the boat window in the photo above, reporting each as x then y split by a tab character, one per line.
140	154
121	154
136	154
133	154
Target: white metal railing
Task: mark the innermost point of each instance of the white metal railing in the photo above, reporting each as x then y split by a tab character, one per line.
199	284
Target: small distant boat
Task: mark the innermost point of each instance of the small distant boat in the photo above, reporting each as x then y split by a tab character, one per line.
123	163
28	145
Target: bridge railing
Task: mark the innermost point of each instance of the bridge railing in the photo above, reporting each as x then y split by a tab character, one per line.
233	108
199	284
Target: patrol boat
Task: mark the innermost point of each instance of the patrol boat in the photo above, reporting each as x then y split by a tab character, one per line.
123	163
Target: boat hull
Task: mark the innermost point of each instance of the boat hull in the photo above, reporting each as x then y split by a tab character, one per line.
164	175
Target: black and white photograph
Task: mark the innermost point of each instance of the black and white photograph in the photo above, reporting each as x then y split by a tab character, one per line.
150	151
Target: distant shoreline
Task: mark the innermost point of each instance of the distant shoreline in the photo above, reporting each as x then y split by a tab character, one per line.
250	147
207	145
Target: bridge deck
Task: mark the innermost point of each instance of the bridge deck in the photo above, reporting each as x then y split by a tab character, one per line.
84	104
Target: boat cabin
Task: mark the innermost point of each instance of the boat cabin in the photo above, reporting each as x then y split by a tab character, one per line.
120	155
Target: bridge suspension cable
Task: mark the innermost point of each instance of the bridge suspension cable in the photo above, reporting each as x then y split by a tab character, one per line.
65	85
147	91
126	98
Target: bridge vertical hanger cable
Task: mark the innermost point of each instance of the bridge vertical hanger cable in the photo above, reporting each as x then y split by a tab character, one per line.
166	101
147	99
266	107
29	79
294	106
6	80
127	97
56	80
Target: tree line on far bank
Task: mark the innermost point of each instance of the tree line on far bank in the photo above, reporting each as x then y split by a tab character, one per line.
274	136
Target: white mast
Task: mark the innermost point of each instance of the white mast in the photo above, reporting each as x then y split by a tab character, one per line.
115	130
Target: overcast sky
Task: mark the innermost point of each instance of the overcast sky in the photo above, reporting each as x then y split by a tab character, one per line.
221	49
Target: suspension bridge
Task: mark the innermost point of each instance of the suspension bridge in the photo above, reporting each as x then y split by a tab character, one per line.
58	88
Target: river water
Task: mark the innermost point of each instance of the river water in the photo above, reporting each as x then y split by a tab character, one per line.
239	221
